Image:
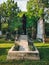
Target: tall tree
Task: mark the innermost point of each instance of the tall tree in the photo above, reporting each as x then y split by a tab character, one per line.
35	7
46	3
8	11
12	11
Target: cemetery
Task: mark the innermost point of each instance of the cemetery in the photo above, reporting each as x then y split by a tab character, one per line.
24	32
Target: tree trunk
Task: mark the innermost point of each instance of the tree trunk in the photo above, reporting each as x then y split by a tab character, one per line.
33	33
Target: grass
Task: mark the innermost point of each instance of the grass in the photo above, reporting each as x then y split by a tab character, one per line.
3	41
43	49
4	47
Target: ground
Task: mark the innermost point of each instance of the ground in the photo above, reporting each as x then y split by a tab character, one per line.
42	47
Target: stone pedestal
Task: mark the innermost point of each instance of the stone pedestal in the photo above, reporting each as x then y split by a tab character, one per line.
24	51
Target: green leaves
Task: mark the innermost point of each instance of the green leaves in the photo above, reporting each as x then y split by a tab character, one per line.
9	12
35	7
35	10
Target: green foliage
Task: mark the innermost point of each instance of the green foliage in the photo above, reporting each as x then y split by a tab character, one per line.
34	12
9	12
15	24
31	22
46	16
4	25
47	26
46	3
12	12
35	8
20	14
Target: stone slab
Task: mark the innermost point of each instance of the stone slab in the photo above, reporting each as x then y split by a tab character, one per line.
21	55
23	43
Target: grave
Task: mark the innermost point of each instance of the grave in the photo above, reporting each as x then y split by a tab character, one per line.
24	51
24	47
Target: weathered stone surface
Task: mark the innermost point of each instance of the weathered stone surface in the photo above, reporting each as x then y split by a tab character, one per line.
40	29
17	55
23	43
24	51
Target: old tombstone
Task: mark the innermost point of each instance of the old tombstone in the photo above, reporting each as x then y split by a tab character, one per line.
40	29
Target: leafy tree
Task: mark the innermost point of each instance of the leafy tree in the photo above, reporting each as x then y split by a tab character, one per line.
46	3
8	14
12	11
35	9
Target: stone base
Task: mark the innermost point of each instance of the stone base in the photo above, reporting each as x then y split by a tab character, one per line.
21	55
24	51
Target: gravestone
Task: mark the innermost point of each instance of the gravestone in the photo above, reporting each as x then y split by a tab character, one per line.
40	29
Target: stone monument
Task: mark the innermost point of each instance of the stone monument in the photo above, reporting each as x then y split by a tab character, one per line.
40	29
22	48
24	24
